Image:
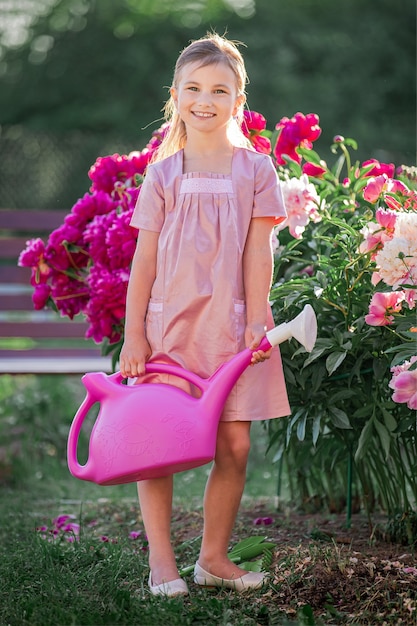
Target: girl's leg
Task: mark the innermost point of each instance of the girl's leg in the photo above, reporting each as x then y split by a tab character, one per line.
222	498
155	498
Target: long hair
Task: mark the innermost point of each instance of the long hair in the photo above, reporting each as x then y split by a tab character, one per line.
208	50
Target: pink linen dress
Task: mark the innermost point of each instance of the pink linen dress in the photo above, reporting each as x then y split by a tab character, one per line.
196	314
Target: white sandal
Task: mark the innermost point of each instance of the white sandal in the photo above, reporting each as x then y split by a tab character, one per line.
172	588
251	580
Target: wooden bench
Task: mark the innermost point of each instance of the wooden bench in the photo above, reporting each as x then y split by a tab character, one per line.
37	342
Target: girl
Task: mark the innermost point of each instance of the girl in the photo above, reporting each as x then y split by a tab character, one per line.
198	291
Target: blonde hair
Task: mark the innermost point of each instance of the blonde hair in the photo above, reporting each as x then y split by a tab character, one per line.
206	51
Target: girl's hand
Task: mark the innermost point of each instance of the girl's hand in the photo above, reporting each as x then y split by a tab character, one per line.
253	336
133	356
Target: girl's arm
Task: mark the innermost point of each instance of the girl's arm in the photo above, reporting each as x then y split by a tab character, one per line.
136	349
257	276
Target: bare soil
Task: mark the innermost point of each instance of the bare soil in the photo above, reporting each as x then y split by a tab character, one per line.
346	575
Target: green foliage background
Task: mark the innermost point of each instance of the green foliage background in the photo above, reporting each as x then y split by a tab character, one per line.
91	79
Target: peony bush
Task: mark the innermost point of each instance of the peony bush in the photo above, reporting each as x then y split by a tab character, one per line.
348	246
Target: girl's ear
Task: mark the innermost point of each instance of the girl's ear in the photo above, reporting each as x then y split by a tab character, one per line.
240	101
174	95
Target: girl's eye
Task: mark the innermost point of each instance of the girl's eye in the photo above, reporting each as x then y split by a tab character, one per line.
192	88
219	91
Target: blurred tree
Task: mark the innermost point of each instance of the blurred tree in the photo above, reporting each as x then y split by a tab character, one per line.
102	68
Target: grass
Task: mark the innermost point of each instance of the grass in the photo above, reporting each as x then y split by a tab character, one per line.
46	581
99	579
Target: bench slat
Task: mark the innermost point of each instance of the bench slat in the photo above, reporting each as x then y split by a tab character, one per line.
16	302
42	352
45	329
55	365
14	275
10	248
31	221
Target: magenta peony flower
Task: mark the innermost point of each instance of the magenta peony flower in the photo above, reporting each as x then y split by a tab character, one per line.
261	144
41	296
32	255
121	241
69	294
157	138
253	122
252	126
379	169
300	130
57	251
105	309
108	170
87	207
314	169
382	306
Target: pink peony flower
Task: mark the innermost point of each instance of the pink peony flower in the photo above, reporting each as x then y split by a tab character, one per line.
382	306
410	296
374	188
376	234
300	130
302	202
135	534
404	383
397	262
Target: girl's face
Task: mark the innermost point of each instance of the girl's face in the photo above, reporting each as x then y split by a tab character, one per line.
206	97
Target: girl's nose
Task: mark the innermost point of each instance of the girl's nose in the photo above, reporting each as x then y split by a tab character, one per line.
204	98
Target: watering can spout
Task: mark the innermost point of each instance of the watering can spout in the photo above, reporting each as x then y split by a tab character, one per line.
303	328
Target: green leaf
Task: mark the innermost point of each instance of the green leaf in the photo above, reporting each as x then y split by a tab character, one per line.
316	428
309	155
250	548
252	566
305	616
384	436
351	142
339	418
334	360
364	440
301	428
389	421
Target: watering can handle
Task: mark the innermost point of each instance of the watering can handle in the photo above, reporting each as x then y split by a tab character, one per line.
167	368
75	429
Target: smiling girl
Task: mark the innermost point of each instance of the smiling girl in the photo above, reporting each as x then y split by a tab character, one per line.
198	292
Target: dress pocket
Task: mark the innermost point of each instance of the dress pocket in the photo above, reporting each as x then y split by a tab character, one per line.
154	324
239	312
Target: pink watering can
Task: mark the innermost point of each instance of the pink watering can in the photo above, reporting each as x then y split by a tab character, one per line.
150	430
